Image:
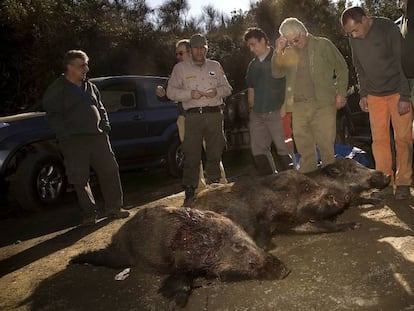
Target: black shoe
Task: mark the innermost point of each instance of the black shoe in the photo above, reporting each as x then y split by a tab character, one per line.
263	166
115	214
189	195
118	214
383	193
212	181
88	220
402	192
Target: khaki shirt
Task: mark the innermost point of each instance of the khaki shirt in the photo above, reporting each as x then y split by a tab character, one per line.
186	76
304	88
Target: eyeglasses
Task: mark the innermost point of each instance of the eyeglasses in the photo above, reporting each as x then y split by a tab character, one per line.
181	53
294	41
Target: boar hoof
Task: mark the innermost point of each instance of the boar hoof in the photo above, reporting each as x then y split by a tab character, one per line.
177	287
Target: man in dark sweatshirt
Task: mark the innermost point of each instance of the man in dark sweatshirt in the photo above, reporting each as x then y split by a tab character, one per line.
407	49
77	116
384	91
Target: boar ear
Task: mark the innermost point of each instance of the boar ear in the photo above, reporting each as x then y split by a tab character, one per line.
236	247
332	171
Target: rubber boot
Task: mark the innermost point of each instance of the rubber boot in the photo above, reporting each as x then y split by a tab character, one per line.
285	162
189	195
262	165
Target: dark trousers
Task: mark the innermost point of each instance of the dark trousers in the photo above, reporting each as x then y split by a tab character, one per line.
80	153
199	126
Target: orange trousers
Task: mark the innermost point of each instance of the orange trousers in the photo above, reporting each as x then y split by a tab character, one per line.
382	110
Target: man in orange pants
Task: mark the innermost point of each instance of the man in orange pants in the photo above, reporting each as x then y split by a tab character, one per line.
384	91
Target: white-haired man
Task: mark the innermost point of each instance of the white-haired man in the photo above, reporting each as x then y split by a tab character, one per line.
316	80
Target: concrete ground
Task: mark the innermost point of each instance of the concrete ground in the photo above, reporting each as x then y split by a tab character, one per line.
370	268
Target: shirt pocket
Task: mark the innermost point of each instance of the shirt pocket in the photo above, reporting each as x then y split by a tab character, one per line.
191	83
213	80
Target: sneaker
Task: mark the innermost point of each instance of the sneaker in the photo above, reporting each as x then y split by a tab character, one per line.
402	192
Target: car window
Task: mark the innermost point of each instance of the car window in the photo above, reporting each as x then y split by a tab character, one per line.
120	96
118	100
153	100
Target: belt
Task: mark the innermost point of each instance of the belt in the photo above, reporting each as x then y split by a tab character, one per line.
205	109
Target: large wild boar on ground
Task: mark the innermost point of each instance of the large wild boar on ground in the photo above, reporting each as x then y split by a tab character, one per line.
185	244
277	203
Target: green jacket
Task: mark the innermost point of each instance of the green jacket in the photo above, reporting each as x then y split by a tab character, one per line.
328	69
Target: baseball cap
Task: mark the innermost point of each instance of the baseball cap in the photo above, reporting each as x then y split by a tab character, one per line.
198	40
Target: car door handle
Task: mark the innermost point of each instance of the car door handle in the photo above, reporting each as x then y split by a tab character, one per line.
138	117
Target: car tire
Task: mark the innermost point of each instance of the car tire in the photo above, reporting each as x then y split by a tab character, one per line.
175	158
40	181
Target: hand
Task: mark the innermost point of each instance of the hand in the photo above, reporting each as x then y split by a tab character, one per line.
210	93
195	94
340	101
160	91
363	103
404	107
280	44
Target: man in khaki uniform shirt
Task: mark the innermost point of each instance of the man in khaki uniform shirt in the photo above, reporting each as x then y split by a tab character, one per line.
182	53
200	84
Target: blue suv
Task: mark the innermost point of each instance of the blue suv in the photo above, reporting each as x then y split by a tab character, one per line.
144	133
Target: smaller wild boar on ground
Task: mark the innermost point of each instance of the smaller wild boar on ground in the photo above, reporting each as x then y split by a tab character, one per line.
285	202
186	243
353	177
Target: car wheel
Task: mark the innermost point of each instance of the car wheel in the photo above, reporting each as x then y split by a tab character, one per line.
175	158
39	181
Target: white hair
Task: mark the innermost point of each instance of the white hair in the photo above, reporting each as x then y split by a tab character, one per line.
292	25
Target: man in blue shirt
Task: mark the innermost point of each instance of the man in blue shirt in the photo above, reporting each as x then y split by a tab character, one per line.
266	96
